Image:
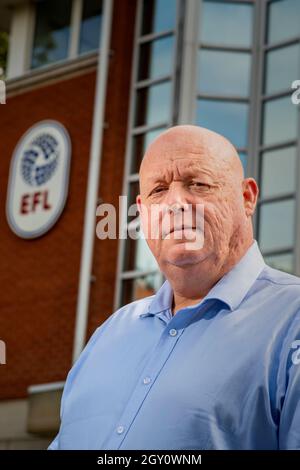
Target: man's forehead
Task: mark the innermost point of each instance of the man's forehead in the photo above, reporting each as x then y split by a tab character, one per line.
180	162
166	151
180	166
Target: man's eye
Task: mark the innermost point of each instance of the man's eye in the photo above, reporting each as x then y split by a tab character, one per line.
158	190
198	184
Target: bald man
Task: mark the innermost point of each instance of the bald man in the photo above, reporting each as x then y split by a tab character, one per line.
212	360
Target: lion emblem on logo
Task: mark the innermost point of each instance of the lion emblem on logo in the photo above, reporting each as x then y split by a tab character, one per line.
40	160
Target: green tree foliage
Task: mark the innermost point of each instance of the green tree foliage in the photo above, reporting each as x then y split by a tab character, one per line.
3	49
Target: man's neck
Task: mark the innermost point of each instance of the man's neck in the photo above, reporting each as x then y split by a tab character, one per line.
182	302
202	289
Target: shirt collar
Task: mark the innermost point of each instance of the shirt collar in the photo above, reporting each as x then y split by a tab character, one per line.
231	289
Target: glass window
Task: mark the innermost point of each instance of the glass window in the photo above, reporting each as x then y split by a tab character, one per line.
278	173
140	144
276	228
282	67
284	262
90	25
280	121
284	20
244	159
138	256
132	193
227	118
153	104
138	288
224	72
52	32
226	23
4	38
158	15
145	260
156	58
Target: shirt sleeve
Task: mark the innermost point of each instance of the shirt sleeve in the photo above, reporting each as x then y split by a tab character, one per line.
289	427
54	444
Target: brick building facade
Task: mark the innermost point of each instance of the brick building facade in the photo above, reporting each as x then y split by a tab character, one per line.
40	277
142	66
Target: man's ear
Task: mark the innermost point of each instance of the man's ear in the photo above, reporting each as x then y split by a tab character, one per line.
250	195
139	202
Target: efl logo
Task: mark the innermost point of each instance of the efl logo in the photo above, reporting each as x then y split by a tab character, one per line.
38	181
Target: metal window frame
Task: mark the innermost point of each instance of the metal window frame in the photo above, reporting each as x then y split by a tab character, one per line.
281	251
134	131
193	25
75	25
297	215
216	97
74	37
259	100
188	95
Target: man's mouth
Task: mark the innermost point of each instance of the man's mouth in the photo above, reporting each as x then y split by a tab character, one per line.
179	229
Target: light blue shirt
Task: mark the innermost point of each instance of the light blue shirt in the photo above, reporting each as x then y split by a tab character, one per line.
222	374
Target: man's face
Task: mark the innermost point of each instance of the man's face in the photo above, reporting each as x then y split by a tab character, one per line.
199	176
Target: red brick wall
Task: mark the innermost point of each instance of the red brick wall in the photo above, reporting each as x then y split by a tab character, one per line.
39	278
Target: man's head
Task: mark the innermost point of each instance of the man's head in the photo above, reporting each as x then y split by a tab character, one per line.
188	166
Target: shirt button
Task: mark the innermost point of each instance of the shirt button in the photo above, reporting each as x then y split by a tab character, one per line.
173	332
120	429
146	380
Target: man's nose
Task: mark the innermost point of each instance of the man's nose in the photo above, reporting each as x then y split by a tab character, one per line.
176	197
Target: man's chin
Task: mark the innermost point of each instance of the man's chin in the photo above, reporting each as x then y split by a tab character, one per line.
181	255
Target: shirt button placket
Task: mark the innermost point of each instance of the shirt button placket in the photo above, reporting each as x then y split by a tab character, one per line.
173	332
120	429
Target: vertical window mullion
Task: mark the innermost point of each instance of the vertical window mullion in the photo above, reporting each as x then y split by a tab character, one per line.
188	87
128	159
297	215
255	112
76	15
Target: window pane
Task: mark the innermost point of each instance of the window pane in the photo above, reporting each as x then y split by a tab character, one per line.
280	121
133	289
138	256
226	23
158	15
140	144
52	32
224	72
226	118
244	159
276	228
284	20
144	258
153	104
156	58
90	25
278	172
282	68
283	262
132	193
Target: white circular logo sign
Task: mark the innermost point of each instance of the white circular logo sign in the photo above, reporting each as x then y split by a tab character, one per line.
38	179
